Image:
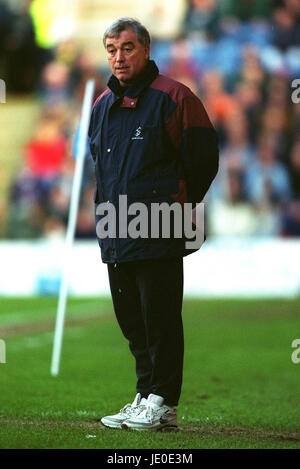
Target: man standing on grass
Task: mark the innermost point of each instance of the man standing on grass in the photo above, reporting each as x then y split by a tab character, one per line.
151	140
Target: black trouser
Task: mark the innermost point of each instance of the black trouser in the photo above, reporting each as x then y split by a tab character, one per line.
147	297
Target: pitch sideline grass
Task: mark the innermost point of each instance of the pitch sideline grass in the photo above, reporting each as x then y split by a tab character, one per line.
240	385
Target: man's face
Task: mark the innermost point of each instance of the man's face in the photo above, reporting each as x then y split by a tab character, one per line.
126	56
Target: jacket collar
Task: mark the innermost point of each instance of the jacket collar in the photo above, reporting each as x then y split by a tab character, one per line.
143	81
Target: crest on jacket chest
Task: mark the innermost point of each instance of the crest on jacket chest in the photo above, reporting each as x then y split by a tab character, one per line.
138	134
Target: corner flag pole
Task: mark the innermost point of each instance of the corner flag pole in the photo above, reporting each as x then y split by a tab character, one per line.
63	292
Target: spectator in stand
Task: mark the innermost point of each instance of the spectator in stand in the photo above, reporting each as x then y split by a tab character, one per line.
286	22
290	214
202	17
47	150
85	67
237	153
6	26
232	214
25	188
58	199
85	228
58	203
26	206
278	92
247	10
295	119
294	166
278	112
293	6
67	52
182	66
251	69
219	104
267	180
55	79
248	97
235	156
24	59
290	219
25	220
275	121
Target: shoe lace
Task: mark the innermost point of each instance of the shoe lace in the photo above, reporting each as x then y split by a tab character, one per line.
126	409
146	412
129	409
150	413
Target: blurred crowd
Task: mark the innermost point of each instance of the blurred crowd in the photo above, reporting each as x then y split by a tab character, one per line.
240	57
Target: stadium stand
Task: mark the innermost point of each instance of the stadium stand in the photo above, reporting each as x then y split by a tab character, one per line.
240	57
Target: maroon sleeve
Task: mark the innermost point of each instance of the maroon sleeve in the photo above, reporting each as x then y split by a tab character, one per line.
195	138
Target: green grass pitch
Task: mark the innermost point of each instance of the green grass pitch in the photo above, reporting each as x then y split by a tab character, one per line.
240	390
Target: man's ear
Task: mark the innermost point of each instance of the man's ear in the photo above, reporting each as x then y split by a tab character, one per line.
147	51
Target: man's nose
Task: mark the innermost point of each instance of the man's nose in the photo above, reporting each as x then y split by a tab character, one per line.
120	56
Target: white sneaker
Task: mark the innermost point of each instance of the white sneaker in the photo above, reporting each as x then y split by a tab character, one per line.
129	410
154	417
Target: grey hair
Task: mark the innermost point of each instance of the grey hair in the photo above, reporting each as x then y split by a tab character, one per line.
123	24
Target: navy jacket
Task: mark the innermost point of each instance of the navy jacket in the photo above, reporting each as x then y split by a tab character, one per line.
154	143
